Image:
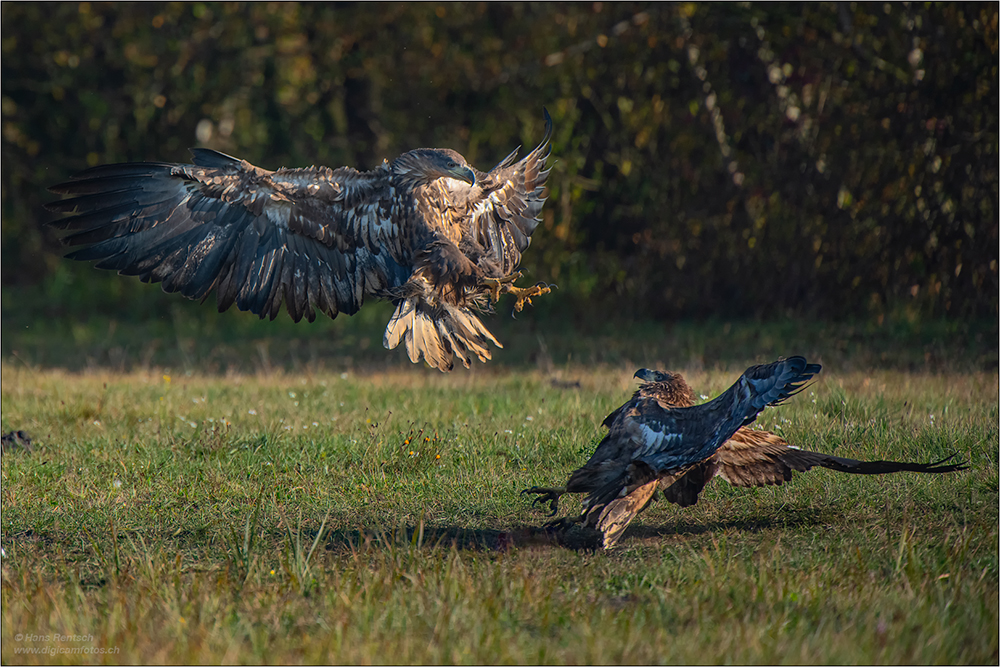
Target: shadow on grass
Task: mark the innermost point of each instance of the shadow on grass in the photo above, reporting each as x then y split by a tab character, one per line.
797	518
486	540
436	536
537	536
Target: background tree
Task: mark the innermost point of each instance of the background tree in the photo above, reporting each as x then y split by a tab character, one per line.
835	159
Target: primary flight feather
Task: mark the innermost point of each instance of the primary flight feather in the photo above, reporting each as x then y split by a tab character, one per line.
427	231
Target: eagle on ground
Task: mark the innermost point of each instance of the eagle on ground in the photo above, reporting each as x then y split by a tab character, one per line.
426	231
749	457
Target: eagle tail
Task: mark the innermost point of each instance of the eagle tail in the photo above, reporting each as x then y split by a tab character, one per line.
613	505
438	333
618	514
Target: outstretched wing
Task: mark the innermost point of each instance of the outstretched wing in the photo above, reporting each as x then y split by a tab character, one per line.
316	238
761	458
506	212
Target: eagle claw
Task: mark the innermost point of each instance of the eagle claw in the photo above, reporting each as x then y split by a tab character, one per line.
500	286
546	495
524	294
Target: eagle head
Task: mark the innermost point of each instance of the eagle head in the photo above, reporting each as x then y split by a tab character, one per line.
669	389
647	375
424	165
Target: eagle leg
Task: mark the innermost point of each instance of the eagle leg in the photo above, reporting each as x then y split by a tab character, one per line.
548	495
498	286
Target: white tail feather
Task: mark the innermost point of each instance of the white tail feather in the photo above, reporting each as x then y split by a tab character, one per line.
438	334
400	322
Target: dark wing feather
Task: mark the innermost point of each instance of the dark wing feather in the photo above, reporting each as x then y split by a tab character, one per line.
758	458
775	383
611	418
797	458
761	458
311	238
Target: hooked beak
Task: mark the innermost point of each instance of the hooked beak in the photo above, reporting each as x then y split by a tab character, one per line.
464	174
648	375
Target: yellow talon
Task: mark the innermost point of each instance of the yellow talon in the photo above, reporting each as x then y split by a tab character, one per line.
524	295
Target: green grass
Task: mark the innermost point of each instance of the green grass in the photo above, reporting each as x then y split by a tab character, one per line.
372	515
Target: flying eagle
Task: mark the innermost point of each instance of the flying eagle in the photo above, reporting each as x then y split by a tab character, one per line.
426	231
749	457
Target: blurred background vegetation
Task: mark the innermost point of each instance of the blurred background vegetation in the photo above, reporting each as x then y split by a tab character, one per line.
831	160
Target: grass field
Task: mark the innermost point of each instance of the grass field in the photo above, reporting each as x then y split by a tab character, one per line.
204	502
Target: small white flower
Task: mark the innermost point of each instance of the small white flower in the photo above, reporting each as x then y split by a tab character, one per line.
507	431
315	423
291	394
117	483
343	376
529	418
704	397
251	411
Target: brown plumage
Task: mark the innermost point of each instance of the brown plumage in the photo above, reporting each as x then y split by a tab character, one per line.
747	458
650	444
427	231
